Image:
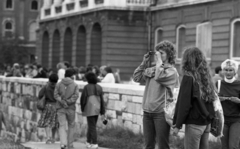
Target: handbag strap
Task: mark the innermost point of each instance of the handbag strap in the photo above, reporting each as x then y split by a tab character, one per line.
219	86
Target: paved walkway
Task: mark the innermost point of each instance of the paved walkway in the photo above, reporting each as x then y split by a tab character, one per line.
43	145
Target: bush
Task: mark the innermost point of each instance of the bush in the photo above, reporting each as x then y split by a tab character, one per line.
120	138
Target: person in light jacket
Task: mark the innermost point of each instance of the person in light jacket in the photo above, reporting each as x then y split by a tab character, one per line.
66	93
160	80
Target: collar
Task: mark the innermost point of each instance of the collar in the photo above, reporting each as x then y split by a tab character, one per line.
229	80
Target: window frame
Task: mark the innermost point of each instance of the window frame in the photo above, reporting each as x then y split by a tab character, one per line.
37	5
5	21
5	5
197	30
177	41
232	39
156	34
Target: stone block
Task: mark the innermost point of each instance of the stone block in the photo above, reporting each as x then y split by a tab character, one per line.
111	104
120	121
137	99
136	128
131	107
138	109
119	106
114	122
111	114
127	116
114	96
128	125
126	98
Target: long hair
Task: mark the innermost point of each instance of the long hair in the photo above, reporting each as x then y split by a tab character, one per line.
194	63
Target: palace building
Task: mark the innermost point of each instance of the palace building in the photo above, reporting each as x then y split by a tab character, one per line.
115	32
19	23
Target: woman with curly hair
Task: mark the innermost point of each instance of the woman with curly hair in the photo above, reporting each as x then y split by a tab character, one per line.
195	100
160	80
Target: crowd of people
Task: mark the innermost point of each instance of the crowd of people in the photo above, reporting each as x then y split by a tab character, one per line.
194	106
104	73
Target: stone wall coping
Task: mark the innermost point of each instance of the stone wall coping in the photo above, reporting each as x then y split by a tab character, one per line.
126	89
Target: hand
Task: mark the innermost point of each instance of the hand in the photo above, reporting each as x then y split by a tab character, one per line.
158	58
175	131
64	103
103	117
146	58
234	99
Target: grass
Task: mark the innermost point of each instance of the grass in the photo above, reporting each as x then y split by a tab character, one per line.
119	138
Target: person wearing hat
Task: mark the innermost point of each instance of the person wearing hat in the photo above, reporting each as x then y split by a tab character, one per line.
229	94
66	93
160	80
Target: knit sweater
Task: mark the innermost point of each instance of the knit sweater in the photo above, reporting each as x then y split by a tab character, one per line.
230	109
165	78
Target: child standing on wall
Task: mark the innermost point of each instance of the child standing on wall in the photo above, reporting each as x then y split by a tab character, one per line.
92	104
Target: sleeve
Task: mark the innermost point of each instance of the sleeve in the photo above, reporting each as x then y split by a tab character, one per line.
41	93
102	108
165	76
56	93
184	102
138	73
83	99
74	97
106	79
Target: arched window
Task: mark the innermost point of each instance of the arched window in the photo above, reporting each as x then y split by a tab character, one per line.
158	35
9	4
8	29
180	41
204	38
8	26
32	31
34	5
235	40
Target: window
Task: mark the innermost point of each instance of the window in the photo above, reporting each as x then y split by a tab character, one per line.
34	5
235	40
32	31
204	38
9	4
180	41
158	35
8	29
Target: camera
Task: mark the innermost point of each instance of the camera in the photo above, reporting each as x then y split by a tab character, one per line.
105	121
151	53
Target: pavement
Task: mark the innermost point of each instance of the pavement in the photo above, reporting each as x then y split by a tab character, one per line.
56	145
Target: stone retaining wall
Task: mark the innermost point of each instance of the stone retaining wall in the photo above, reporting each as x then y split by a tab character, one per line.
18	98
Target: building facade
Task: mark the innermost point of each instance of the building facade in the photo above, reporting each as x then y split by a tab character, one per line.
19	23
115	32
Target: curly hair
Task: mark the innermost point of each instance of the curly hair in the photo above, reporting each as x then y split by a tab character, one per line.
195	64
169	48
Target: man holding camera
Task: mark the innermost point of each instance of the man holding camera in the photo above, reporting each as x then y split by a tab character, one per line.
160	80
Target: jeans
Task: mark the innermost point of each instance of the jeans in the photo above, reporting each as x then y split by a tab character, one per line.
92	129
155	129
66	116
231	137
196	136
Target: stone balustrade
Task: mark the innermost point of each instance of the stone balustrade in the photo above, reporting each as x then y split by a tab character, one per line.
18	98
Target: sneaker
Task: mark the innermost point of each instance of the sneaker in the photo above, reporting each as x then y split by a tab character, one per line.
94	146
63	147
88	145
49	141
